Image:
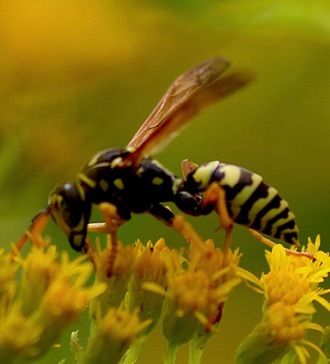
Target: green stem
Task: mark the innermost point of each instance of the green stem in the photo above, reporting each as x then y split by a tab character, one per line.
170	353
75	347
195	352
133	353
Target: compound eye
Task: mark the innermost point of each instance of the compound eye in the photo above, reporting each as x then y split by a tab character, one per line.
71	211
65	201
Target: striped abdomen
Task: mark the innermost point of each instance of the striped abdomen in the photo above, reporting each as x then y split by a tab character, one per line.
250	201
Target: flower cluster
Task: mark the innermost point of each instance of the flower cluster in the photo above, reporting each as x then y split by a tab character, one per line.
290	289
40	296
192	286
195	295
136	285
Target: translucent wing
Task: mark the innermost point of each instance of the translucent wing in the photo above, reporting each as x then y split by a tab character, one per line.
189	93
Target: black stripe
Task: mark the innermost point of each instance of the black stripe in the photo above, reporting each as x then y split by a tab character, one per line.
289	225
282	215
260	192
291	238
245	179
274	203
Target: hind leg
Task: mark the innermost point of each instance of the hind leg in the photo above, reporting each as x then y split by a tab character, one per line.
271	244
215	198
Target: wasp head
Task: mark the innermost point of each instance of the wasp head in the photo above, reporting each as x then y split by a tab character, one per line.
71	210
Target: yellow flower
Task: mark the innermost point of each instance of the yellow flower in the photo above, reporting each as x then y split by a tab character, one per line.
131	285
8	271
50	294
113	267
19	335
151	266
114	260
114	333
152	261
40	267
289	289
196	291
283	323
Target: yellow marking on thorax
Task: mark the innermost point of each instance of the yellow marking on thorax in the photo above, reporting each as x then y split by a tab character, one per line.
104	185
89	182
118	182
157	181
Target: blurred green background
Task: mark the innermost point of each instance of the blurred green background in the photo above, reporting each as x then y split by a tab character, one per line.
77	77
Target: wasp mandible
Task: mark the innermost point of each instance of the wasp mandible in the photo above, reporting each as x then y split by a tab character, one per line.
133	182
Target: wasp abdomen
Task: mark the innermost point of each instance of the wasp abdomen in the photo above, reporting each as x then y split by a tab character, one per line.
250	201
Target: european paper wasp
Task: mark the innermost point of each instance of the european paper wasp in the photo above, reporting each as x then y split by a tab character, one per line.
133	182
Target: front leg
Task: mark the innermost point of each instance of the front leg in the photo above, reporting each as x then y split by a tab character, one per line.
113	217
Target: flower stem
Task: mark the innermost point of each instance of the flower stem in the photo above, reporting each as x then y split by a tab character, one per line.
133	353
170	353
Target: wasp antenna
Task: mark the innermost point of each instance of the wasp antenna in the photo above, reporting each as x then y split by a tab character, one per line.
37	226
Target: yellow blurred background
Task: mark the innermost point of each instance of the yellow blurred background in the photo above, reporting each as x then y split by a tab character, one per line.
78	76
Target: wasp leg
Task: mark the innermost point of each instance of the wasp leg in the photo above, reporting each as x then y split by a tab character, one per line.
271	244
182	226
178	223
215	197
162	213
37	226
97	227
112	221
90	251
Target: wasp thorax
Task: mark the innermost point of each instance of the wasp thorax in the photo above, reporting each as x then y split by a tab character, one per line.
71	209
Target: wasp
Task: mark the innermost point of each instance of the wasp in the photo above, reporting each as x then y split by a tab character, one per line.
132	182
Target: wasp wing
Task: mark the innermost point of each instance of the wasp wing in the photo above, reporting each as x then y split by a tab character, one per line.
188	94
181	90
